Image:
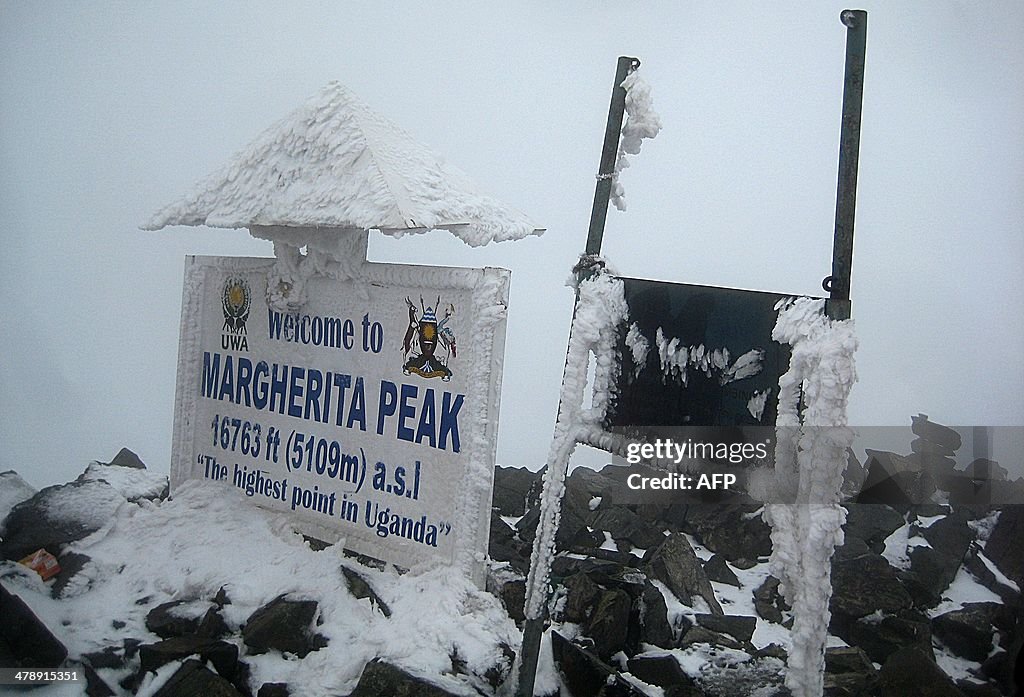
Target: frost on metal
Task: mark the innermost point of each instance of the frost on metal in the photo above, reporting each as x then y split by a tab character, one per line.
811	456
641	122
335	163
600	308
639	347
676	361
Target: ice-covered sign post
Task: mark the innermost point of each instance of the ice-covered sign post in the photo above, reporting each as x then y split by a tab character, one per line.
670	355
359	398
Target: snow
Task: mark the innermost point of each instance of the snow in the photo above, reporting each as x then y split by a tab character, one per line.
1000	577
335	163
964	589
89	503
641	122
639	347
676	360
897	546
811	456
600	305
189	547
755	405
130	482
13	490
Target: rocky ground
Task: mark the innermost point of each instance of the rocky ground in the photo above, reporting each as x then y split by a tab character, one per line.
196	596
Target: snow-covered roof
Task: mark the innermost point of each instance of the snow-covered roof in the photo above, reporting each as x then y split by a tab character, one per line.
336	163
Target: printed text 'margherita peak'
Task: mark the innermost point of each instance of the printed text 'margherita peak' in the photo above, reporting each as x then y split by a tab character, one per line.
405	411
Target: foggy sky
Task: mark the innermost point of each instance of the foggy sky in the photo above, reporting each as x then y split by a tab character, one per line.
110	110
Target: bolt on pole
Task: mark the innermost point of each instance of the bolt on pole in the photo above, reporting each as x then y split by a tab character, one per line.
856	22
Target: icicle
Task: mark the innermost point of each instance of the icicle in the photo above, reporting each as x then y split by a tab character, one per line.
811	455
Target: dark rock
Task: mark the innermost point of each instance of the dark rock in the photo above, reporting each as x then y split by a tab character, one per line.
382	678
126	458
950	535
655	627
609	625
910	673
48	521
933	568
131	648
973	689
629	559
938	434
27	639
585	674
623	524
662	671
110	657
922	592
848	659
768	601
926	447
1004	546
526	527
700	635
360	588
736	531
736	626
212	625
967	632
221	599
772	651
881	638
674	564
221	654
581	598
512	486
70	564
744	564
165	623
194	679
606	573
513	597
847	685
283	625
871	523
982	569
501	532
895	480
717	569
95	686
583	541
273	689
865	583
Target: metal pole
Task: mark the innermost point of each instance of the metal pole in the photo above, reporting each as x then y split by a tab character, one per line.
838	306
609	153
533	628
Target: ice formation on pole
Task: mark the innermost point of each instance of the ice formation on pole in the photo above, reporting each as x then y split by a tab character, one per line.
641	122
811	456
600	306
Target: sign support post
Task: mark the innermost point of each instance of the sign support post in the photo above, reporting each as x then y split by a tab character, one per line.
838	284
533	627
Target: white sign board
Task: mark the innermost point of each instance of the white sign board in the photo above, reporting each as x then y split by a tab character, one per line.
369	415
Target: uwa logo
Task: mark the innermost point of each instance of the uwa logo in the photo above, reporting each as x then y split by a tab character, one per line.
235	300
